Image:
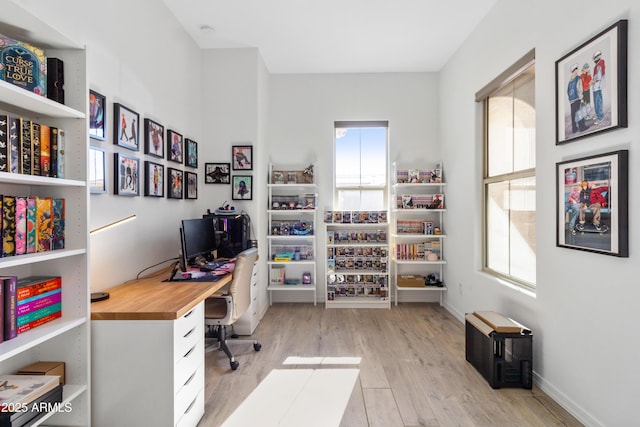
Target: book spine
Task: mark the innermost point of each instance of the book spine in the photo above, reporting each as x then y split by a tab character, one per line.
61	144
39	322
31	225
38	314
21	225
59	215
54	151
2	280
35	149
26	146
31	289
8	226
2	226
45	150
44	224
37	297
15	145
10	308
25	307
4	143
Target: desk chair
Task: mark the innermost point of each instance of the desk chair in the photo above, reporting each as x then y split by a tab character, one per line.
223	310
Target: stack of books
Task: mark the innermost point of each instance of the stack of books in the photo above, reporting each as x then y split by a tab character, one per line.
26	398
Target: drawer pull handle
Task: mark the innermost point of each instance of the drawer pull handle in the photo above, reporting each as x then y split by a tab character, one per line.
191	406
190	332
190	378
188	314
189	352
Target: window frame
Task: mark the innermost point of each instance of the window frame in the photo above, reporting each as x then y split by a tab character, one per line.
482	96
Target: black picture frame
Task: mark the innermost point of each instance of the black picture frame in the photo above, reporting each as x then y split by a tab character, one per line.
242	157
126	175
242	187
126	125
97	115
191	153
607	179
217	173
191	190
175	146
603	106
97	170
175	183
153	179
153	138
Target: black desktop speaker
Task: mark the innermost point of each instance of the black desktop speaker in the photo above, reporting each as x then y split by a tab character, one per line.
232	233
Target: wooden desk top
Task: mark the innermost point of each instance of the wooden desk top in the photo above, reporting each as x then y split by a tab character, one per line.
152	299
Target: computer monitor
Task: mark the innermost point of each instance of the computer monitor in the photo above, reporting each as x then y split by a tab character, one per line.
197	239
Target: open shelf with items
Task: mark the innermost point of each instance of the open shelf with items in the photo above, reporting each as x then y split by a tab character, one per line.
357	255
66	338
292	235
418	233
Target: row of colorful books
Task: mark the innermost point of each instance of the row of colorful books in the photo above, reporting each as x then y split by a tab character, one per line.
417	251
28	302
31	224
31	148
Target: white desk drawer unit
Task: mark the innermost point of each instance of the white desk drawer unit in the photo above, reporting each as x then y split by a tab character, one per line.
246	324
149	372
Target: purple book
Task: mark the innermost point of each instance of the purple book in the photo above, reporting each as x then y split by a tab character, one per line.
10	325
41	301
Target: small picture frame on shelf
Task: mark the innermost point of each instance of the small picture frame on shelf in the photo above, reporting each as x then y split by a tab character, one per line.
97	170
174	183
191	158
97	115
153	138
126	123
217	173
153	179
126	175
175	146
292	177
242	187
277	177
192	185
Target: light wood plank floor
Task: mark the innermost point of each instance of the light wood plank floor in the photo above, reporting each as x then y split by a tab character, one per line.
413	370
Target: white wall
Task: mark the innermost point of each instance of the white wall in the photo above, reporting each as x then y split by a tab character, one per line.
302	111
585	353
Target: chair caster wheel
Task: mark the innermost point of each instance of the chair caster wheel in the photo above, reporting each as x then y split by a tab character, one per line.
257	346
234	365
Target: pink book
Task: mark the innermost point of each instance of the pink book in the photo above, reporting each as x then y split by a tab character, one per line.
21	225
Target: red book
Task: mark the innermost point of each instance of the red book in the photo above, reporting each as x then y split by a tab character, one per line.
10	316
28	287
38	302
39	322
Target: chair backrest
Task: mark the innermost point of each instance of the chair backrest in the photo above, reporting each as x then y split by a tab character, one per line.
240	288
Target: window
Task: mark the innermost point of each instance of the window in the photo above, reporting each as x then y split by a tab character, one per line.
509	182
360	165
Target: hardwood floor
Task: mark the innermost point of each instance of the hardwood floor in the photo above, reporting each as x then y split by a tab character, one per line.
413	370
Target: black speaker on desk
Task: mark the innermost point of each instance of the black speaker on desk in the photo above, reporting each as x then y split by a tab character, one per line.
232	233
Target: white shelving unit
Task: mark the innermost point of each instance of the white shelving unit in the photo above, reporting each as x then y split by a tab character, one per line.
67	338
357	264
417	230
292	231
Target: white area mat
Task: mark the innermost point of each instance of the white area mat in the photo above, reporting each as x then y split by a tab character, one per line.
297	397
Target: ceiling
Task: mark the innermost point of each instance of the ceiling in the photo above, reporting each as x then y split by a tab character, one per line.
335	36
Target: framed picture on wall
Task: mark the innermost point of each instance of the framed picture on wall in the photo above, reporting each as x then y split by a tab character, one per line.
175	180
153	138
175	146
592	204
192	185
126	123
217	173
126	175
591	86
242	187
97	170
242	156
97	115
153	179
191	158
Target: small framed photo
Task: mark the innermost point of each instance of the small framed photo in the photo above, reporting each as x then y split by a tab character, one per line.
97	115
97	170
277	177
126	175
217	173
153	179
592	203
153	138
242	156
192	185
591	86
242	187
126	124
191	147
292	177
175	179
175	146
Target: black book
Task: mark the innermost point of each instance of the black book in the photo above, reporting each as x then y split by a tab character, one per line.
26	146
4	143
53	170
35	148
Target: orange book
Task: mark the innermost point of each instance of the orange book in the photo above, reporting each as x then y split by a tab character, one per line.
45	150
